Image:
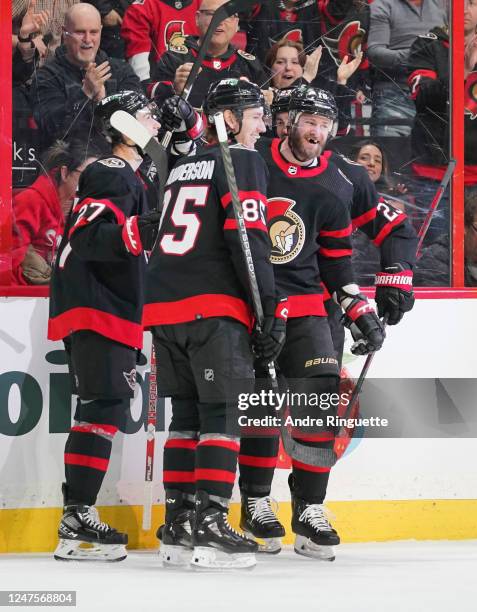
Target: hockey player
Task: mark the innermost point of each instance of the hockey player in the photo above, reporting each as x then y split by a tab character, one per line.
198	307
223	60
96	305
309	228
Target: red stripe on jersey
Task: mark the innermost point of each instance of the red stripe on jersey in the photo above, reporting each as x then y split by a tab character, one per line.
309	468
335	252
415	77
366	217
103	323
306	305
231	224
196	307
243	195
181	443
217	64
177	476
96	463
230	444
326	293
387	229
96	428
264	462
293	170
120	216
216	475
346	231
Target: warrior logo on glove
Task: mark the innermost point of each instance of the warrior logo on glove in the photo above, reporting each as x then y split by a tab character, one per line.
285	229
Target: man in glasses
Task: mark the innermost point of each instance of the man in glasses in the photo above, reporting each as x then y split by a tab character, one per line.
223	60
67	88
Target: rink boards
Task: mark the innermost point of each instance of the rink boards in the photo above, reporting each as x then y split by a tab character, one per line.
383	489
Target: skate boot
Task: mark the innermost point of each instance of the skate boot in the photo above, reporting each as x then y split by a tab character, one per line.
259	522
83	537
216	544
315	537
176	534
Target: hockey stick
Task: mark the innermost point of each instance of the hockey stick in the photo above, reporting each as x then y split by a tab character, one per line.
300	452
435	203
150	445
226	10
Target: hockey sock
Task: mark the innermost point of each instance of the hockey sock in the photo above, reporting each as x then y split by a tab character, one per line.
311	482
179	461
216	464
88	448
257	461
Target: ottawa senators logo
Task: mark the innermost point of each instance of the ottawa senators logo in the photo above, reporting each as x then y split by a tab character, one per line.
470	95
349	42
285	229
174	37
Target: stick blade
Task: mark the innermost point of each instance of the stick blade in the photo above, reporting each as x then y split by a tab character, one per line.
130	127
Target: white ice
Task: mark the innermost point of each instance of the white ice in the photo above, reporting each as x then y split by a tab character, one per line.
377	577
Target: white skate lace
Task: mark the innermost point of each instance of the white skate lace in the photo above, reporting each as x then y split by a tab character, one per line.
315	515
263	509
91	518
229	526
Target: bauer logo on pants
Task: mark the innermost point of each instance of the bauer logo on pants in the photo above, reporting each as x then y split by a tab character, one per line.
209	375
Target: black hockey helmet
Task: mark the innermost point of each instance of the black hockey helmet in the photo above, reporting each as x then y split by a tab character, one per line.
307	99
281	100
232	94
129	101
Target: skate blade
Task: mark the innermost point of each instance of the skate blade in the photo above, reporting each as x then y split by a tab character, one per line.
73	550
206	557
307	548
175	556
270	546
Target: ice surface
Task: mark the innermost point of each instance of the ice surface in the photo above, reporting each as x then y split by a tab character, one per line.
376	577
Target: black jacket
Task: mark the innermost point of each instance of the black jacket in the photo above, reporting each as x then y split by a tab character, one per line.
59	105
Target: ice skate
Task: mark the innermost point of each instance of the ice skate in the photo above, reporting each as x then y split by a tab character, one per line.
83	537
315	537
259	522
216	544
176	534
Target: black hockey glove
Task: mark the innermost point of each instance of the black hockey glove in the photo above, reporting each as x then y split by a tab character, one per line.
269	341
140	232
177	115
367	330
394	294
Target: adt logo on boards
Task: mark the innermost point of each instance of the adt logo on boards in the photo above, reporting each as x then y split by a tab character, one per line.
33	401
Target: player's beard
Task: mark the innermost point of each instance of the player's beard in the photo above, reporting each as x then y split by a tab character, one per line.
303	150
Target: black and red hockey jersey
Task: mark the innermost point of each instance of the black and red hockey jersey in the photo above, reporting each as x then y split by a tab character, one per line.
309	228
98	278
386	226
151	27
428	66
197	268
234	63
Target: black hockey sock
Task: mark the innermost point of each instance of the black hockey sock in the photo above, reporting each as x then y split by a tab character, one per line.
310	482
179	461
257	461
87	454
216	464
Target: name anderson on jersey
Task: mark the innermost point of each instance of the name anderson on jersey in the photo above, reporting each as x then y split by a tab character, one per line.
189	172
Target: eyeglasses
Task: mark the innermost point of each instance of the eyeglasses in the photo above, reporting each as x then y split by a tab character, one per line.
210	13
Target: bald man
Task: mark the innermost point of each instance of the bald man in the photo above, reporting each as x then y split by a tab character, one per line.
66	88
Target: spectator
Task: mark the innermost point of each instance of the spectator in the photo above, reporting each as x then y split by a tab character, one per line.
373	157
30	22
394	25
112	13
152	27
66	88
52	31
433	268
222	61
39	211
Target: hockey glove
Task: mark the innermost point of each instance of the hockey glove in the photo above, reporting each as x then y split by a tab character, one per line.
359	316
394	294
140	231
177	115
269	341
